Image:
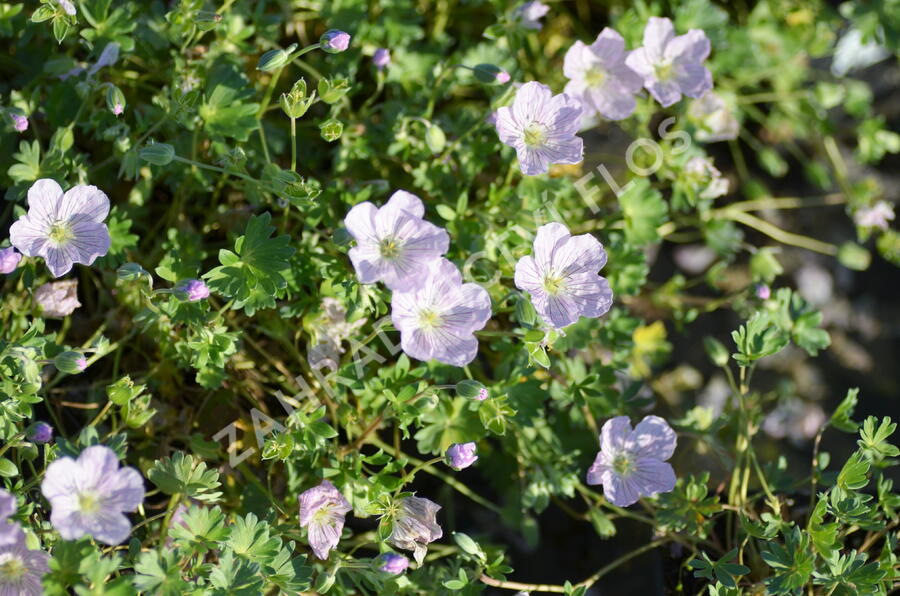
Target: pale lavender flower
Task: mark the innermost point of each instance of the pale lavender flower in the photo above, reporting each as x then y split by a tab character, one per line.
21	569
64	229
193	290
529	15
10	532
394	244
461	455
794	419
878	216
20	122
334	41
68	7
40	433
541	127
393	563
704	175
672	66
322	512
108	57
763	292
415	525
439	319
58	299
598	75
90	495
713	117
562	276
632	463
9	260
381	58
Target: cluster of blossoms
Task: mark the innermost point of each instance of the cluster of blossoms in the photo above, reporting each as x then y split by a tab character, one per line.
604	79
435	312
323	511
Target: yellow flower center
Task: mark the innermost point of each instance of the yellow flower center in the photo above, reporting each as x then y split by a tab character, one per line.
389	248
428	319
88	503
664	70
11	569
60	232
535	134
622	465
554	284
595	77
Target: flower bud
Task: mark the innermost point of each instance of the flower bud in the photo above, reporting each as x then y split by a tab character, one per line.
334	41
295	103
9	260
763	292
471	390
115	100
331	91
39	432
461	455
192	290
381	58
159	154
20	122
435	138
272	60
393	563
70	362
331	129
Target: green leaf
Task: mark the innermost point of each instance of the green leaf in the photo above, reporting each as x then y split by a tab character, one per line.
181	474
791	563
854	474
841	419
158	572
873	440
644	211
757	339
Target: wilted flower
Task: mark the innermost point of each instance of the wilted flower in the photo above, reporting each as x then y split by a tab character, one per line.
439	319
598	75
562	276
322	511
68	7
193	290
415	525
632	463
20	122
90	495
334	41
461	455
714	119
394	244
9	260
794	419
528	15
21	569
10	532
393	563
878	216
108	57
541	127
58	299
702	172
332	328
672	66
381	58
64	229
40	433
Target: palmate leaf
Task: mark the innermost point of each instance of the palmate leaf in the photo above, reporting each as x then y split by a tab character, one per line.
181	474
253	275
791	563
159	573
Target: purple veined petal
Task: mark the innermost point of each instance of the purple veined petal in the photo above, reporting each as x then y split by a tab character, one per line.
694	79
58	260
69	522
600	470
471	311
652	438
666	93
438	344
626	80
408	202
651	476
91	240
590	294
577	63
124	489
609	46
691	47
565	150
578	254
531	102
29	235
7	504
567	112
60	479
83	203
508	130
96	464
533	162
559	311
639	61
109	527
548	237
620	491
360	221
43	200
10	533
368	265
528	276
657	35
612	103
323	537
614	434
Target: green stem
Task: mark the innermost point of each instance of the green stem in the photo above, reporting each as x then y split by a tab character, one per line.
293	144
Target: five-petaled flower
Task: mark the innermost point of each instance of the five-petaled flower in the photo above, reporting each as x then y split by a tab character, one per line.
21	569
672	66
632	463
415	525
439	319
598	75
90	495
541	127
322	512
562	276
529	14
394	244
63	228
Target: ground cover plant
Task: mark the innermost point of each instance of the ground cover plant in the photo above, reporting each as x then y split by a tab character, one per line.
448	297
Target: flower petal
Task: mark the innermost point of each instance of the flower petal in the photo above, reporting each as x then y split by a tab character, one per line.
43	200
653	438
614	434
408	202
620	491
657	35
82	202
29	235
360	222
652	476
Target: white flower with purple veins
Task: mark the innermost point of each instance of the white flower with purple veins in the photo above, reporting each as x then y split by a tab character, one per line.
541	127
672	66
529	15
21	569
598	75
562	276
63	228
394	244
10	532
58	299
415	525
438	320
878	216
322	512
91	495
632	463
